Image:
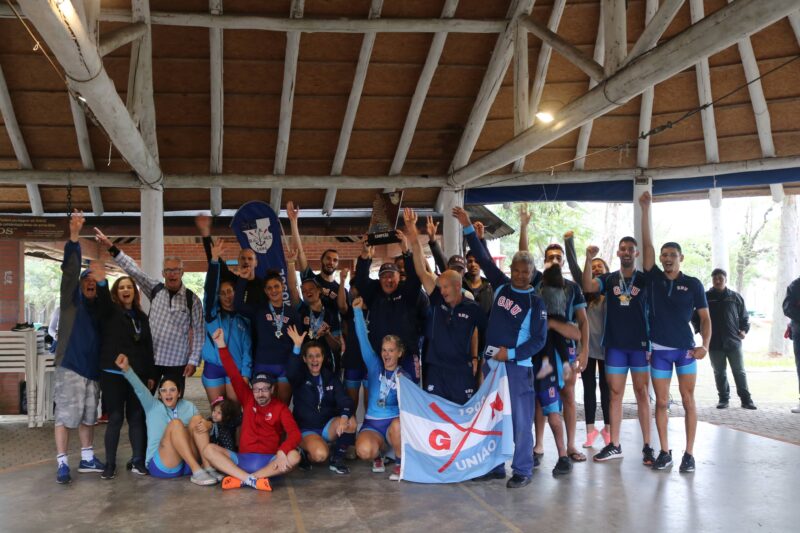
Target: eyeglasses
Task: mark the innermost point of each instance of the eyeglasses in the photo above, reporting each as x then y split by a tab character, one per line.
171	389
173	270
261	390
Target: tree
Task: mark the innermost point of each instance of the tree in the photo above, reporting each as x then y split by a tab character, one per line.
748	251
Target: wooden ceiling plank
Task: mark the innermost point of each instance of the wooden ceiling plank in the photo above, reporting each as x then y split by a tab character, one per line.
217	97
646	106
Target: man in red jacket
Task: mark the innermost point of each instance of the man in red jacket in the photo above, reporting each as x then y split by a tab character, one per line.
264	420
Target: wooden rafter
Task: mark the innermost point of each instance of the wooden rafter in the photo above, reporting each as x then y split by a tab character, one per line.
569	51
540	75
656	26
615	34
18	143
716	32
704	92
646	105
217	96
352	106
120	37
585	132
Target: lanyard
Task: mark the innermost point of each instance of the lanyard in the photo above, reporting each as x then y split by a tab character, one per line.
385	388
315	322
278	320
625	288
320	391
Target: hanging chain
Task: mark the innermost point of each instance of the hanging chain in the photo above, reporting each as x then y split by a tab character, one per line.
69	200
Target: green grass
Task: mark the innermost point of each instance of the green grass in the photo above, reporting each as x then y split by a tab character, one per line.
754	360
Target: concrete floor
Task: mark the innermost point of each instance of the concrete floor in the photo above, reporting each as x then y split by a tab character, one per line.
743	483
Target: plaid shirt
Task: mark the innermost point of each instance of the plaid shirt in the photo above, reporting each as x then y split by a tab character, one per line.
177	338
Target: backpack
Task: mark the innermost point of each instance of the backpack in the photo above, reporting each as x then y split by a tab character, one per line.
189	296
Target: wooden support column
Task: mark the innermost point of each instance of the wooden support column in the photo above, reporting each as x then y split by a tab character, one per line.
640	186
452	232
585	133
217	96
719	246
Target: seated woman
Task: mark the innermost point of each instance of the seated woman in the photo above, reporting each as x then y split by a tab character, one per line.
270	320
264	421
171	451
382	421
322	407
126	329
220	313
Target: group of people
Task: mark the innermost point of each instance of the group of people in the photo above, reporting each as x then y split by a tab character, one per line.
324	348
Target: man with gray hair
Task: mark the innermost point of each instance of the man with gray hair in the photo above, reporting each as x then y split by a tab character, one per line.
176	315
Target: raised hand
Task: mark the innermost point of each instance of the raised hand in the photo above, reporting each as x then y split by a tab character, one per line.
410	218
122	362
343	273
366	249
568	235
403	240
524	214
480	229
431	228
217	247
203	224
358	303
100	237
292	211
462	216
645	200
592	251
219	338
76	222
296	336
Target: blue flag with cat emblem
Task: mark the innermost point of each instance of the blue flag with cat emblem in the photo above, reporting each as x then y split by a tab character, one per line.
257	227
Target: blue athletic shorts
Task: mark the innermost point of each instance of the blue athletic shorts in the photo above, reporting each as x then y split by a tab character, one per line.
619	361
379	426
251	462
278	371
547	390
354	378
158	470
321	432
661	362
214	375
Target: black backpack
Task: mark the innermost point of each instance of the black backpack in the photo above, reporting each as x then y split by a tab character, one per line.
189	296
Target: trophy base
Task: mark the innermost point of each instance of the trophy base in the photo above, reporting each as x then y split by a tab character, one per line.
386	237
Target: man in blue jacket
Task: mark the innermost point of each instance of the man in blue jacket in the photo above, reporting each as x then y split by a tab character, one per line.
517	330
77	356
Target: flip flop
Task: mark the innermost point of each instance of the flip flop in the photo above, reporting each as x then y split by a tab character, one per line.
577	457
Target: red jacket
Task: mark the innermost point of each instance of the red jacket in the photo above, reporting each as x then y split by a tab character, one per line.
262	427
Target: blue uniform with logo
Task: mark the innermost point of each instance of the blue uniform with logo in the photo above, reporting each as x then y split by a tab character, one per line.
672	303
518	322
626	331
273	345
448	358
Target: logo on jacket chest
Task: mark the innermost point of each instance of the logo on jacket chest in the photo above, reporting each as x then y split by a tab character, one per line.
272	317
634	291
509	305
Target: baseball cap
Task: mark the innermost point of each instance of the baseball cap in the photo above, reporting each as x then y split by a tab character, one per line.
457	261
262	377
387	267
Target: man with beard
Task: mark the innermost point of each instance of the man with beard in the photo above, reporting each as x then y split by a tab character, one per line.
625	340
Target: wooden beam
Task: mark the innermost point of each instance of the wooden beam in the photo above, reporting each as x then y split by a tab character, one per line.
646	105
421	92
539	77
521	103
127	180
287	101
568	50
78	56
616	38
666	173
120	37
794	21
585	132
492	80
217	96
655	28
714	33
760	109
704	95
85	149
352	105
18	144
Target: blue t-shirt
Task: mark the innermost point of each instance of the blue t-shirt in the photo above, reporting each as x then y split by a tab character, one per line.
626	325
672	303
381	383
449	331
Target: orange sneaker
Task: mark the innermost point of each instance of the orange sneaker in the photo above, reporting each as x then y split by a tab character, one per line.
230	482
262	483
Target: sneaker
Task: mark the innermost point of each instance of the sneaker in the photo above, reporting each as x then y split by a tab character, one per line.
723	404
749	405
203	478
22	326
95	465
590	438
607	453
137	467
563	466
606	435
230	482
537	459
687	464
338	466
129	464
664	460
490	475
395	473
110	472
517	481
378	466
648	455
796	410
62	475
262	483
305	464
216	474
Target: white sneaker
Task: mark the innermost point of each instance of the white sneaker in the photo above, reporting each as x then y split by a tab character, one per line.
796	409
378	465
203	478
213	472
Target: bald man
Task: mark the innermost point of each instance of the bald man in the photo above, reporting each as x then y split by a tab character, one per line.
453	321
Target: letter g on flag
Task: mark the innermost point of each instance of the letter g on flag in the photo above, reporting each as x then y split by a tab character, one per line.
439	440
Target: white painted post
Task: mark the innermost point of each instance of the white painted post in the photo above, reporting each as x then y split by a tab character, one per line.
452	232
640	185
152	226
719	246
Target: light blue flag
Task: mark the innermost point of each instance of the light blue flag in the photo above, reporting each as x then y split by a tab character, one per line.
444	442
